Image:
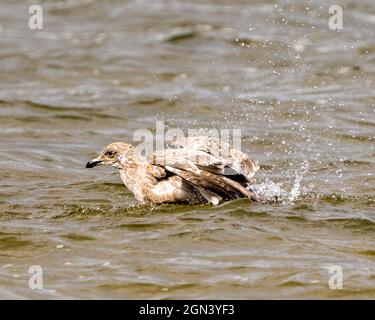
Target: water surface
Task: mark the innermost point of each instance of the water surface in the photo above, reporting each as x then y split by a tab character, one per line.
302	94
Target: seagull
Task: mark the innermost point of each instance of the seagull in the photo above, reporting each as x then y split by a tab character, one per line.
191	170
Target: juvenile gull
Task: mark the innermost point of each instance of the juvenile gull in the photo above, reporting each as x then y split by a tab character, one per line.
191	170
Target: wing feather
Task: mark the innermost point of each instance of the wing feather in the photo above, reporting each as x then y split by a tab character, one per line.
230	161
216	172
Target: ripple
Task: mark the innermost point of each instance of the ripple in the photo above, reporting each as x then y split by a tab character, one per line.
77	237
143	226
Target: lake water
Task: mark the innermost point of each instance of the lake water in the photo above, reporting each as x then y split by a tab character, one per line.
302	94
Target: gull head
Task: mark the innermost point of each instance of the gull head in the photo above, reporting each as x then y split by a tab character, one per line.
111	155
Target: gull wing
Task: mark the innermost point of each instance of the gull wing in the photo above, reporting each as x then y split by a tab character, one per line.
202	170
234	162
216	185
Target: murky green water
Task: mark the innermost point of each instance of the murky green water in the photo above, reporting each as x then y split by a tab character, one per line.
302	94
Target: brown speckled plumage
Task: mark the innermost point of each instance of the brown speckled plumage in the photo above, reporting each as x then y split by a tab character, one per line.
191	170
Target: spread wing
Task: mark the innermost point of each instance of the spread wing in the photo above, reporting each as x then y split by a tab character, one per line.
229	161
215	177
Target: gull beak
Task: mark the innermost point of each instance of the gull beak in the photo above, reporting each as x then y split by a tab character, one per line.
93	163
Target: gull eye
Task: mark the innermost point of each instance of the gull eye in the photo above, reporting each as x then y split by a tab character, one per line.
110	153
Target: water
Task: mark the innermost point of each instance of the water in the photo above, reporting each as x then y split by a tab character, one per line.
302	94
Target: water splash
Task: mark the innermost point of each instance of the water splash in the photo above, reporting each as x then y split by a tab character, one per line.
278	192
270	190
295	192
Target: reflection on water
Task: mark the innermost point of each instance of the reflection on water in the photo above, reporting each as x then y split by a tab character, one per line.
302	94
